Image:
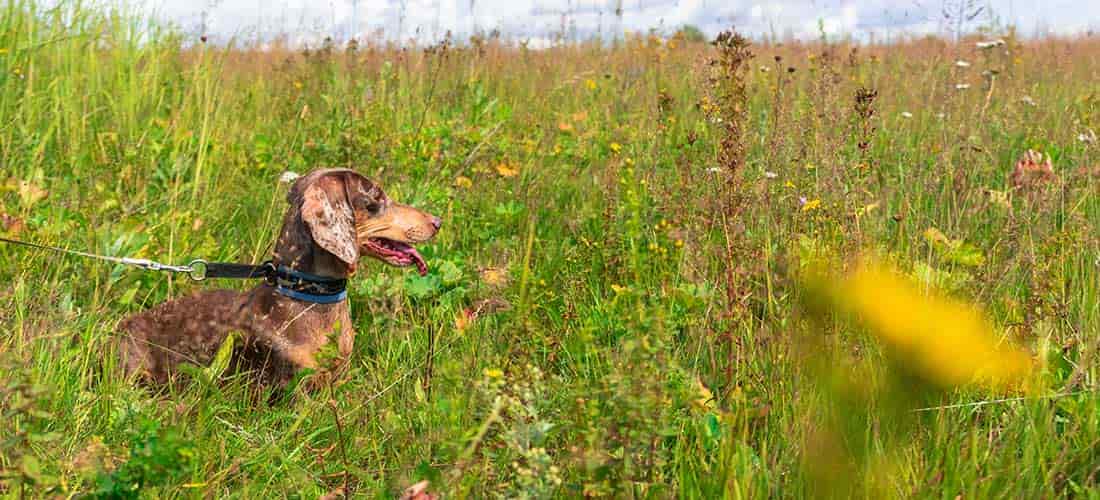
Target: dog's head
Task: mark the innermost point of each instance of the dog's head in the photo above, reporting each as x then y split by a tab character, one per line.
346	216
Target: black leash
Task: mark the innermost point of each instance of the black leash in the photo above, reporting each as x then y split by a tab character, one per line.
291	283
198	269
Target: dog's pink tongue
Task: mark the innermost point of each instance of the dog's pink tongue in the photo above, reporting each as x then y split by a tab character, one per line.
421	266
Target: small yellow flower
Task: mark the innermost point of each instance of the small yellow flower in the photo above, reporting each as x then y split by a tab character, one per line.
493	372
810	166
619	289
679	243
788	185
506	170
616	147
463	182
494	276
591	84
811	205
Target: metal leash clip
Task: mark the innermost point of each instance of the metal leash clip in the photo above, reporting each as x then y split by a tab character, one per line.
196	270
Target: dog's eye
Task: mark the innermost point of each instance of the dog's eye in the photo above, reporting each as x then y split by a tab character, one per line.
373	208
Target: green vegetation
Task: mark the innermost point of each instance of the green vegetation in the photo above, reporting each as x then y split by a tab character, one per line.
614	305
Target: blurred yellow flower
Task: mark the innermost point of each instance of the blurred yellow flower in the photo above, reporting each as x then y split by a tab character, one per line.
493	372
494	276
619	289
811	205
945	342
463	182
565	126
506	170
616	147
591	84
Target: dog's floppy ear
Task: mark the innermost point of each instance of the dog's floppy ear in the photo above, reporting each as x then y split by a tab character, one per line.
327	212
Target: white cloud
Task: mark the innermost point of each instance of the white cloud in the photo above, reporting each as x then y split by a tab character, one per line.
542	21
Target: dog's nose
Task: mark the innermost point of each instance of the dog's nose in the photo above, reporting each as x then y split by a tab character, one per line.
436	222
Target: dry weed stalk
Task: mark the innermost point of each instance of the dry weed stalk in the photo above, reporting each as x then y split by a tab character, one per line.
728	109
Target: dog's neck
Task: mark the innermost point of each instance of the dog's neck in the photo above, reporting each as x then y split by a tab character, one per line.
296	250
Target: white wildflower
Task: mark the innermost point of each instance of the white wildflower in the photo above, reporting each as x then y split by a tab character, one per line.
1088	137
288	177
906	114
1028	100
962	86
714	170
962	64
770	175
989	44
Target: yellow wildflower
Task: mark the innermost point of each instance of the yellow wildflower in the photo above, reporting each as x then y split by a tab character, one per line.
945	342
811	205
616	147
494	276
591	84
463	182
506	170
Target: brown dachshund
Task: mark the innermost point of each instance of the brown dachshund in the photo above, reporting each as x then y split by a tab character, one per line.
335	217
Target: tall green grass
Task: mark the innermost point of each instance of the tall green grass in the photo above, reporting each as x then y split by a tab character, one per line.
577	334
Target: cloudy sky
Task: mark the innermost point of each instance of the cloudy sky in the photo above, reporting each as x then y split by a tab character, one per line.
539	20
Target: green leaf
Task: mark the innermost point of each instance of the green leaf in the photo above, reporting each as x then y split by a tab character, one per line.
450	273
422	287
221	359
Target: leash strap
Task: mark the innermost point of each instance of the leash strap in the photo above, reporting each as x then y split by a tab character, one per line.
237	271
288	282
128	261
197	270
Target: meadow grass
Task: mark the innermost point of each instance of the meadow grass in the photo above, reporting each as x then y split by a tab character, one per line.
614	305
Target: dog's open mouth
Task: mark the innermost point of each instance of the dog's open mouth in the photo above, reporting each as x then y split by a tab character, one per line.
396	253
